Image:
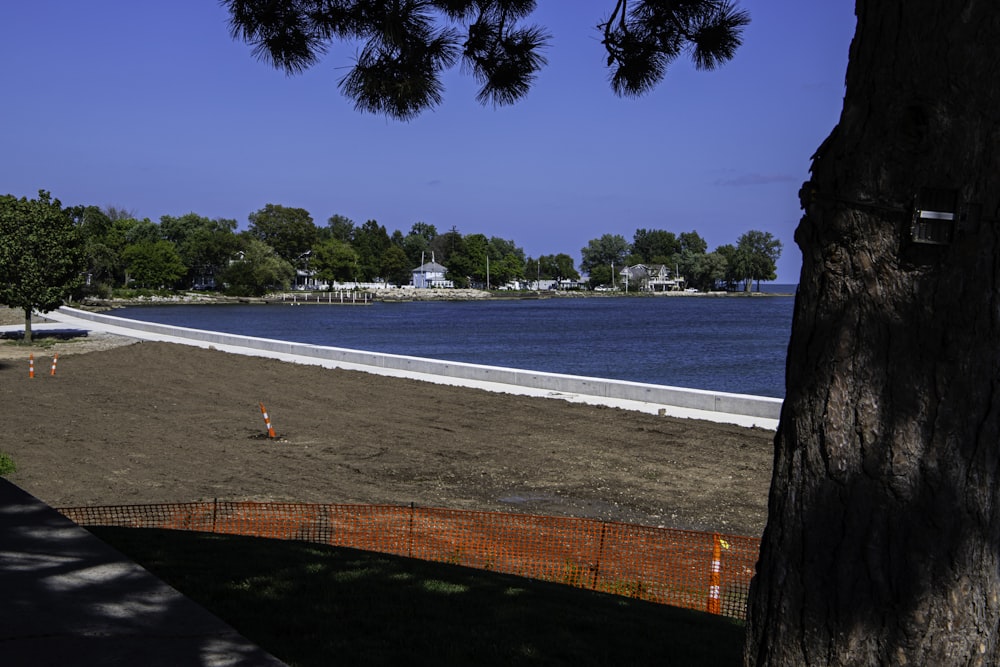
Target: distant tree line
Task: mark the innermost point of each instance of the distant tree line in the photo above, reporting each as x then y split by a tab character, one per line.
192	251
94	251
753	259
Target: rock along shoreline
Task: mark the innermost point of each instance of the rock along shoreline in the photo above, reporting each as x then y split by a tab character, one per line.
389	295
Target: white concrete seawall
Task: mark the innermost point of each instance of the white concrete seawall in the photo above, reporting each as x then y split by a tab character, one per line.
738	409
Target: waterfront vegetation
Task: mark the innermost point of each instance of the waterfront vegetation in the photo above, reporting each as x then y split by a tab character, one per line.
101	250
6	464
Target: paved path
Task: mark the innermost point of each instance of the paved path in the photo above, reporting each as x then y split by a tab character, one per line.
66	598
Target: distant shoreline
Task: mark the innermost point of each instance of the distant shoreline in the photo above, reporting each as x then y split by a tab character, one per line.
395	295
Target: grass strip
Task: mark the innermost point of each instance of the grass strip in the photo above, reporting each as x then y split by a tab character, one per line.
312	604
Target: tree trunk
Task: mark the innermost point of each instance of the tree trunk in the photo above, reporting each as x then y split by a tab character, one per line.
883	538
27	325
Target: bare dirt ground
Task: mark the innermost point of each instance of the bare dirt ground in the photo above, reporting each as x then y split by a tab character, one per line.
123	422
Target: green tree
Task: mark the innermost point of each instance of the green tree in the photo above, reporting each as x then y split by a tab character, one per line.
655	246
100	259
334	261
41	255
126	231
565	268
396	266
608	250
289	231
762	251
467	260
417	243
692	242
730	275
370	241
602	275
154	263
339	227
257	270
205	246
506	261
704	271
551	267
444	245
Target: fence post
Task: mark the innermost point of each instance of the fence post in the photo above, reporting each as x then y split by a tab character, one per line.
600	555
409	536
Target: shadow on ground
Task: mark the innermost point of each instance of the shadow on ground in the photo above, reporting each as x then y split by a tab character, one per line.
311	604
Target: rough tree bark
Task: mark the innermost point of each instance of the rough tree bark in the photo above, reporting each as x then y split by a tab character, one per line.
883	540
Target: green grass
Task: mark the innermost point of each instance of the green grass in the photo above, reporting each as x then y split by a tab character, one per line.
316	605
6	464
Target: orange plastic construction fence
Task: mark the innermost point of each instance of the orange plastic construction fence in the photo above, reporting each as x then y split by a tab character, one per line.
695	570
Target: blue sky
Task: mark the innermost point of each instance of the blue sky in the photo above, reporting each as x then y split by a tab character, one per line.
152	107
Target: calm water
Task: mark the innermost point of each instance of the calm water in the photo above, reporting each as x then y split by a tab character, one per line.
723	344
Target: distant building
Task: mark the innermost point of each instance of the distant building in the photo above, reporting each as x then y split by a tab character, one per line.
651	278
430	274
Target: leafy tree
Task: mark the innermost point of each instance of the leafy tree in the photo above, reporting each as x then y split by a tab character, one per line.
655	246
370	241
610	249
417	244
339	227
565	268
444	245
692	242
882	540
506	261
258	270
289	231
205	246
704	270
551	267
423	230
467	260
335	261
500	248
602	275
154	263
101	260
396	266
760	252
41	254
123	233
730	275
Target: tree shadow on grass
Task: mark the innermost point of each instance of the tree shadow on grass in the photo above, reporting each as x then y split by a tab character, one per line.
312	604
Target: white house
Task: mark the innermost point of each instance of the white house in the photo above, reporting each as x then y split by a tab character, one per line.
430	274
651	278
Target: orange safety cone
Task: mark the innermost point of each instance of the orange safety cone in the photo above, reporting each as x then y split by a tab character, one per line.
715	581
31	365
267	422
54	360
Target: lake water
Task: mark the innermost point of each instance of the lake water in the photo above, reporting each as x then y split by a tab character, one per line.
723	344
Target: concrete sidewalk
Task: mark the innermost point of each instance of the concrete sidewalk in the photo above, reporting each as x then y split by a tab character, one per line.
66	598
